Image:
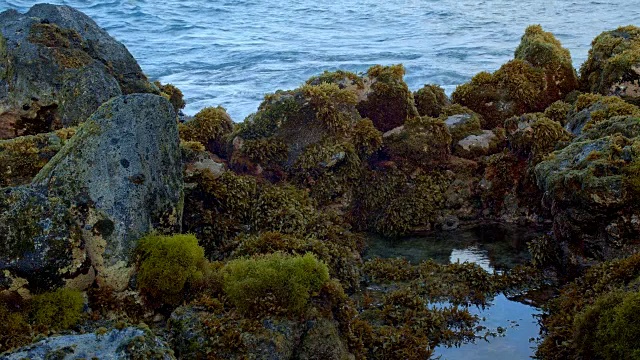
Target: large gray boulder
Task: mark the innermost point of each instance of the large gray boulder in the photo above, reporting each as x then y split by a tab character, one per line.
57	66
129	343
117	179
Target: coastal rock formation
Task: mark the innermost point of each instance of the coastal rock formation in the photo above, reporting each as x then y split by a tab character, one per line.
126	344
117	179
540	74
57	67
613	65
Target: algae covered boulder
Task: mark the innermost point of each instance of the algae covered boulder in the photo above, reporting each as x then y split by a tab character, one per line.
613	65
421	141
57	67
540	74
125	163
430	99
591	188
387	101
591	109
129	343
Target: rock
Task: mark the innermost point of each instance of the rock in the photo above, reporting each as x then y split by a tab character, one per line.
540	74
129	343
57	67
613	65
473	146
462	125
533	136
125	163
450	222
419	142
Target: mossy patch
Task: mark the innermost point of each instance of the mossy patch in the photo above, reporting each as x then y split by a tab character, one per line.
66	45
210	127
430	99
168	266
274	281
57	310
173	94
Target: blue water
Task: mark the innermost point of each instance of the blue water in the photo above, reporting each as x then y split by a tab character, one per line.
232	52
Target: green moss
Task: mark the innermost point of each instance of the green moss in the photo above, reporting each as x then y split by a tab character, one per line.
274	281
612	59
601	108
173	94
430	100
276	109
283	208
366	138
168	266
542	49
210	127
57	310
389	102
264	151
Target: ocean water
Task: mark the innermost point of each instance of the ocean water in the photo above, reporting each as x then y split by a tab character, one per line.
232	52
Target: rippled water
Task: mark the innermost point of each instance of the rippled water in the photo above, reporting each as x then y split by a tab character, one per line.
232	52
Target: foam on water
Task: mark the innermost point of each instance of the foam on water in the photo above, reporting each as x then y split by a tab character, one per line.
232	52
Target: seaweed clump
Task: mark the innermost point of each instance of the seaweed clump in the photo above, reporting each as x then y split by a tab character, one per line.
210	127
389	102
430	99
613	64
173	94
540	74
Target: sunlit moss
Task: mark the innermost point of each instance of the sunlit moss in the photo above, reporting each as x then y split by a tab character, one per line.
57	310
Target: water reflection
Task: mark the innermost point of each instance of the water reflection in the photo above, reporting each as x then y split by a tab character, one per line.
510	325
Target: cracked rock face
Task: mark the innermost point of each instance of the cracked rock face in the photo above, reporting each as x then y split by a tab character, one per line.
57	66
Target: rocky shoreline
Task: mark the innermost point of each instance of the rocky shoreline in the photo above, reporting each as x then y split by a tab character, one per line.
126	233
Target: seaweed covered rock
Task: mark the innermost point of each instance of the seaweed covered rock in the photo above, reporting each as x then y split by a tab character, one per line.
421	141
57	67
613	65
590	109
462	125
124	163
173	94
128	343
486	142
388	102
592	191
430	99
210	127
533	136
23	157
540	74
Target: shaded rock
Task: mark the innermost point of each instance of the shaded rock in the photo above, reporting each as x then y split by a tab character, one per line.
540	74
126	160
421	141
486	143
57	67
23	157
613	65
129	343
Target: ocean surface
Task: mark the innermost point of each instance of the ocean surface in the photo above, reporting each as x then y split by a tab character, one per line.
233	52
